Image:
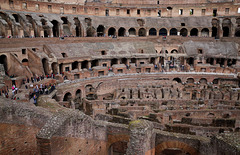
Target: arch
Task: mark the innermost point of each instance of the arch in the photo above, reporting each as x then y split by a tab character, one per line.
152	32
16	17
124	61
121	32
55	28
78	28
84	64
132	31
78	94
163	32
173	32
178	80
94	63
237	32
203	81
54	68
141	32
214	32
226	31
67	97
45	65
190	80
190	61
3	60
90	31
64	19
175	145
114	61
184	32
75	65
205	32
111	31
119	147
194	32
174	51
133	60
100	31
25	62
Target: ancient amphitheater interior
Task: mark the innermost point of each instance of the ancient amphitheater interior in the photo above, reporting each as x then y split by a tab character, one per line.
116	77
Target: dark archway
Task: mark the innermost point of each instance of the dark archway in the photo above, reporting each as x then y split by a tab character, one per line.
25	62
178	80
64	19
84	64
122	32
163	32
16	18
54	68
111	31
75	65
194	32
173	32
100	31
225	31
203	81
214	32
141	32
124	61
132	32
55	28
152	32
205	32
67	97
190	61
114	61
45	66
78	94
78	27
3	60
118	148
190	80
184	32
237	32
94	63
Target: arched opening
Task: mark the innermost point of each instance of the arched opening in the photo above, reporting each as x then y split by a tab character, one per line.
55	28
178	80
214	32
25	62
100	31
45	66
190	61
16	18
84	64
111	31
118	148
94	63
114	61
152	32
183	32
141	32
210	61
163	32
175	148
78	94
67	97
124	61
3	61
54	68
194	32
75	65
174	51
90	31
132	32
173	32
237	32
64	19
203	81
205	32
122	32
215	81
190	80
66	30
225	32
78	27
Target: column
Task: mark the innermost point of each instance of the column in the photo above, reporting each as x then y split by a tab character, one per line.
225	62
79	66
89	64
142	138
214	61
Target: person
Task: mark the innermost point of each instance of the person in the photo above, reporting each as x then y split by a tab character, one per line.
35	100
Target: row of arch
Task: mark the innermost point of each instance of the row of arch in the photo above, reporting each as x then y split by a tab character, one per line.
102	31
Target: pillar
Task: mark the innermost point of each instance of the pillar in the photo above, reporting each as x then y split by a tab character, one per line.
168	33
79	66
142	138
89	64
225	62
214	61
